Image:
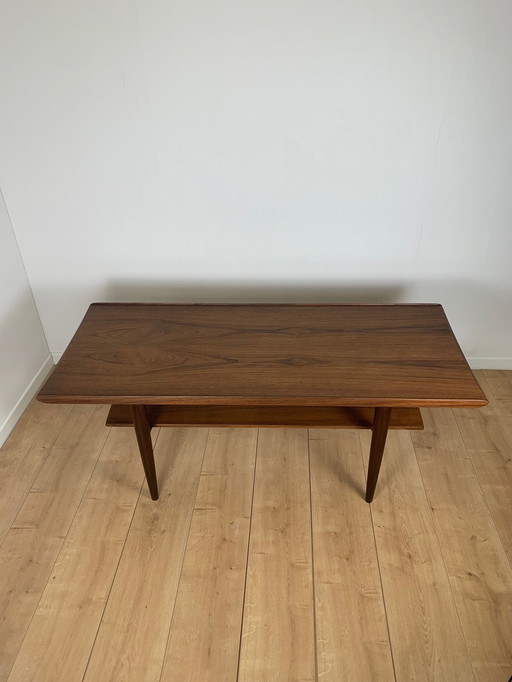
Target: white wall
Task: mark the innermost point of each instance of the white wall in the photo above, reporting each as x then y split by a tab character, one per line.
273	150
24	356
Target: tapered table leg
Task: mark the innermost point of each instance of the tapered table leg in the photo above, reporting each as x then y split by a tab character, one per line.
143	432
379	433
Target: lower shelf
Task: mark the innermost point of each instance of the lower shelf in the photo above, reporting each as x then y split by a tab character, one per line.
288	417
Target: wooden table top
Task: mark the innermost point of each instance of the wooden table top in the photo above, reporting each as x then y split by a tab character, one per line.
174	354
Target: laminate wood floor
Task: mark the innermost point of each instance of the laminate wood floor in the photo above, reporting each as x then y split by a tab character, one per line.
261	561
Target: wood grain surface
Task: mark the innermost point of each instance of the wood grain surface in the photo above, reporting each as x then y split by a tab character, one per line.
355	355
424	628
139	610
480	577
59	639
487	434
204	638
301	417
30	548
278	631
351	631
416	586
24	454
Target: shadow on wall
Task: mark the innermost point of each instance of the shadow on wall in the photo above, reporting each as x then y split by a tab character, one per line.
253	292
479	313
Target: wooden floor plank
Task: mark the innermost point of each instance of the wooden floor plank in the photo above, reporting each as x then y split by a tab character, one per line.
34	540
135	626
480	575
278	640
426	636
500	384
446	584
488	440
499	381
205	632
23	454
504	405
352	636
61	634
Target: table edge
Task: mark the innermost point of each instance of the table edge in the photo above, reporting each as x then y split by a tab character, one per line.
261	401
265	305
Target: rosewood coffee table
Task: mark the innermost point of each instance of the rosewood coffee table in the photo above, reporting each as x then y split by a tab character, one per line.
321	366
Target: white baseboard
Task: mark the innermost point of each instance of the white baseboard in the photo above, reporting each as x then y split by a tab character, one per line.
56	357
16	412
490	363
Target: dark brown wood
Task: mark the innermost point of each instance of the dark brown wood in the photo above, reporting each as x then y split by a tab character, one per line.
143	432
290	417
264	365
266	355
380	427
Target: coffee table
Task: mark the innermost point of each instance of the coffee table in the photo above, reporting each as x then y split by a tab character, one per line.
319	366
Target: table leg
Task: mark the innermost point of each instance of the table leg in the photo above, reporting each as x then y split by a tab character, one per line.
143	432
379	433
